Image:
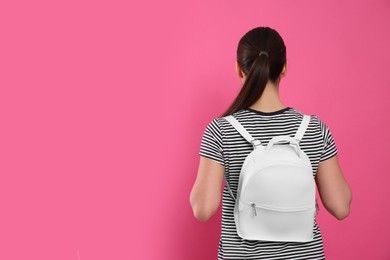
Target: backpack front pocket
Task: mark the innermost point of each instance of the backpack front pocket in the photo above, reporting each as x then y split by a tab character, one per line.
262	222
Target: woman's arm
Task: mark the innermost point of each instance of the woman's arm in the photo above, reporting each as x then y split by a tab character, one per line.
206	193
334	191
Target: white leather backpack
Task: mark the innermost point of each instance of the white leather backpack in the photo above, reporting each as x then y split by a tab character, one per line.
276	195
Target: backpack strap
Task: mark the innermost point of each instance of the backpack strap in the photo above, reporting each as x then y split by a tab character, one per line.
302	128
300	132
238	126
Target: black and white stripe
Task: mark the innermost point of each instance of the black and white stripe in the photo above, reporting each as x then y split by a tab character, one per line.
222	143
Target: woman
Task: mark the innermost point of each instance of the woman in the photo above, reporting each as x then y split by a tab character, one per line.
261	63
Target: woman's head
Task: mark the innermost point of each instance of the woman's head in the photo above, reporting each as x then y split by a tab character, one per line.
258	69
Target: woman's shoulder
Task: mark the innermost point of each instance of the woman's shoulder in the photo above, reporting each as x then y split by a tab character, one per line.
247	114
315	120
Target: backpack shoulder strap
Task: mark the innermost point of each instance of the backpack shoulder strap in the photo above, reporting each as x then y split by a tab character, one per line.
238	126
302	128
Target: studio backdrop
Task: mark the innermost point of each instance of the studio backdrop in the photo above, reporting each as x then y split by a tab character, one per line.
103	105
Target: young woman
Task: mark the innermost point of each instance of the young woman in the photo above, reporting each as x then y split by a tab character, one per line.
261	63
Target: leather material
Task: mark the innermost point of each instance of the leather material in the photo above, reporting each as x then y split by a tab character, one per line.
276	195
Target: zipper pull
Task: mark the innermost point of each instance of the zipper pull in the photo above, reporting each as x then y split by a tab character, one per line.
254	208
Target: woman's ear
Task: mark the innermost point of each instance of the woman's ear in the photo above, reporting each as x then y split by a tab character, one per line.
238	70
284	71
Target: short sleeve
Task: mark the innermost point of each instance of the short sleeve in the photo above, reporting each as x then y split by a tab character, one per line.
211	145
329	149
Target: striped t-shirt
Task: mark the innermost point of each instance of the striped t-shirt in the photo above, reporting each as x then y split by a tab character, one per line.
223	144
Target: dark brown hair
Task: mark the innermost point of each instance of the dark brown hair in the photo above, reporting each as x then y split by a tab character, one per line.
259	69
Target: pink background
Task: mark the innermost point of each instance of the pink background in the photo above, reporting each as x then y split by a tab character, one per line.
103	105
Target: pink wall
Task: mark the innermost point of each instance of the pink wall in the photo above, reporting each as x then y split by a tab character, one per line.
103	105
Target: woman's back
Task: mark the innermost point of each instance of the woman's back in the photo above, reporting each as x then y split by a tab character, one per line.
222	143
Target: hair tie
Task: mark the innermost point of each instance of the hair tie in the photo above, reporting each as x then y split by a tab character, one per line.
263	52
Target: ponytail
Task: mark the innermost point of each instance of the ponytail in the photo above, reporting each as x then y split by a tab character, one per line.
254	85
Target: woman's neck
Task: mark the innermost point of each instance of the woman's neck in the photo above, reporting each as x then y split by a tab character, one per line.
269	100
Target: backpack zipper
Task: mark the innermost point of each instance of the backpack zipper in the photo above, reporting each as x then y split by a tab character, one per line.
254	206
